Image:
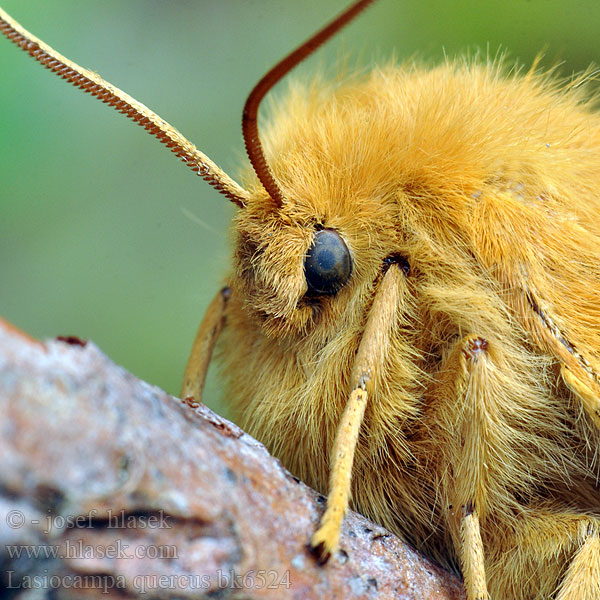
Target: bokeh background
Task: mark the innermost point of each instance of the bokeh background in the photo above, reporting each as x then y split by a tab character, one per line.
102	233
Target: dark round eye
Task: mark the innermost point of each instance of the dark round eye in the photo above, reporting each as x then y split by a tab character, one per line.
328	264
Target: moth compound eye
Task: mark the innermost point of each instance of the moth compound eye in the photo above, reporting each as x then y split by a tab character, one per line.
328	264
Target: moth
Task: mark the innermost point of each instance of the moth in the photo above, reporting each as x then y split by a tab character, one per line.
412	316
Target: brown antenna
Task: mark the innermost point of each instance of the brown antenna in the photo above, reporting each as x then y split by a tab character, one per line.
250	115
119	100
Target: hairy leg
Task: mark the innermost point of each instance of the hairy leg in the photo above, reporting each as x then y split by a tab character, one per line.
548	554
204	343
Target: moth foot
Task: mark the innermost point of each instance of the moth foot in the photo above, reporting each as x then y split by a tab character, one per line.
190	401
324	543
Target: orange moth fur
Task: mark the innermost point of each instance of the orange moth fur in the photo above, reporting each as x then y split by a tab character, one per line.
468	194
486	182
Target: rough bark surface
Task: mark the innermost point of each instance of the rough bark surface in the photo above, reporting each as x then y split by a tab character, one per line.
109	487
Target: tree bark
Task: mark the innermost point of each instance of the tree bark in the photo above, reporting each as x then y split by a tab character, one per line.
109	487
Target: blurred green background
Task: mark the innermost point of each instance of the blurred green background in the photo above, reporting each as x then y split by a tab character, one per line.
102	233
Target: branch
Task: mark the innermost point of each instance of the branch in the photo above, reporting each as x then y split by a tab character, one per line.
109	487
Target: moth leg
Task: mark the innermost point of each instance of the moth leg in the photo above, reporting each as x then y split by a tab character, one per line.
582	579
472	556
204	343
472	390
551	554
325	541
369	358
465	403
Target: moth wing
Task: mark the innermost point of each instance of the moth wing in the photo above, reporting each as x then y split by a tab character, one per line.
546	254
576	368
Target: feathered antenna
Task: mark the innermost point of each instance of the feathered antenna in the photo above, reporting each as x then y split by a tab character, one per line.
200	163
119	100
250	115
